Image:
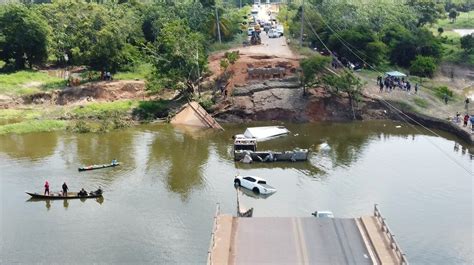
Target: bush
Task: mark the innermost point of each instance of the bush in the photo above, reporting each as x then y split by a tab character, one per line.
423	66
148	110
232	57
467	42
80	126
441	91
207	104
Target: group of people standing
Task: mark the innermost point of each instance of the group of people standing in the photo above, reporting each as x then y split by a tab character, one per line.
392	82
467	119
65	189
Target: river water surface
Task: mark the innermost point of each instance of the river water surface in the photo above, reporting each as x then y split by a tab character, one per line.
158	206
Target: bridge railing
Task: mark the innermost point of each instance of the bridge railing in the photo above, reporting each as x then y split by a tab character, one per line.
214	227
391	237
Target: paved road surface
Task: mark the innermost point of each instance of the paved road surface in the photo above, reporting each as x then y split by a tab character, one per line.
305	240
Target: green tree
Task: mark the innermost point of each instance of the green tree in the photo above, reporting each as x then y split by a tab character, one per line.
405	45
179	58
467	42
311	67
423	66
358	45
110	51
208	3
224	26
453	14
428	11
24	36
440	31
345	83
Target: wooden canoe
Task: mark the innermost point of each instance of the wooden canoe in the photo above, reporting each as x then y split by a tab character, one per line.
92	167
58	196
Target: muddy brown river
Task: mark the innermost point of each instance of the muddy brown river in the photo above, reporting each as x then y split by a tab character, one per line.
158	206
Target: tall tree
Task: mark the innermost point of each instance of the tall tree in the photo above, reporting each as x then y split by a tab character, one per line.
345	83
179	57
428	10
311	68
24	36
453	14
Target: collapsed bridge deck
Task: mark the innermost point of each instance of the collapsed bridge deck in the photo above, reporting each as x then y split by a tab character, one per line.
303	240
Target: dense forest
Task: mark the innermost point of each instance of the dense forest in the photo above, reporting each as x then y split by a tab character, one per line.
380	32
174	36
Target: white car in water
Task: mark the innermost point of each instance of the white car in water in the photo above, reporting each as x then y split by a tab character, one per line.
255	184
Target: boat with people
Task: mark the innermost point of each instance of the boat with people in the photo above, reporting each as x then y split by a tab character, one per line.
93	167
70	195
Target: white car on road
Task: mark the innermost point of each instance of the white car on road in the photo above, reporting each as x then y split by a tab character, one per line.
273	34
255	184
280	30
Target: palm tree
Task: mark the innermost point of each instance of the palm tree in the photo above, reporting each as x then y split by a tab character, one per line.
224	25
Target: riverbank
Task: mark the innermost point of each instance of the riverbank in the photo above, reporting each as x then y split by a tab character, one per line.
284	101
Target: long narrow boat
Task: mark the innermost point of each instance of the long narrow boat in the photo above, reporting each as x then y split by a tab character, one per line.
92	167
59	196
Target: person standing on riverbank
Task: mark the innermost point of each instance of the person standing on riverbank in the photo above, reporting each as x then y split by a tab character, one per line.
46	187
466	119
466	104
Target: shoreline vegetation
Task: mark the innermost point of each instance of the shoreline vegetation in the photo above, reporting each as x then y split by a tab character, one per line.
149	50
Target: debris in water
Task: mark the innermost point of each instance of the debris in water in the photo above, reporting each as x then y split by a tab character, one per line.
398	126
296	134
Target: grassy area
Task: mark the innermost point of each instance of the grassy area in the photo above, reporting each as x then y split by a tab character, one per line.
24	114
140	72
452	51
103	109
420	102
27	82
465	20
33	126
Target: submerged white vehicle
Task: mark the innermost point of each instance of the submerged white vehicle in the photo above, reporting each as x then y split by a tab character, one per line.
255	184
264	133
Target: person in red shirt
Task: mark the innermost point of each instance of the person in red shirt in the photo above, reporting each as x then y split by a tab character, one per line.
466	119
46	187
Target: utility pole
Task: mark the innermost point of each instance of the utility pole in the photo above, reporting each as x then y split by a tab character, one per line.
199	73
218	26
302	21
240	3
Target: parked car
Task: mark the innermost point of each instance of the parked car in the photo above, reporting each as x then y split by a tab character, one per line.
280	29
255	184
273	34
323	214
